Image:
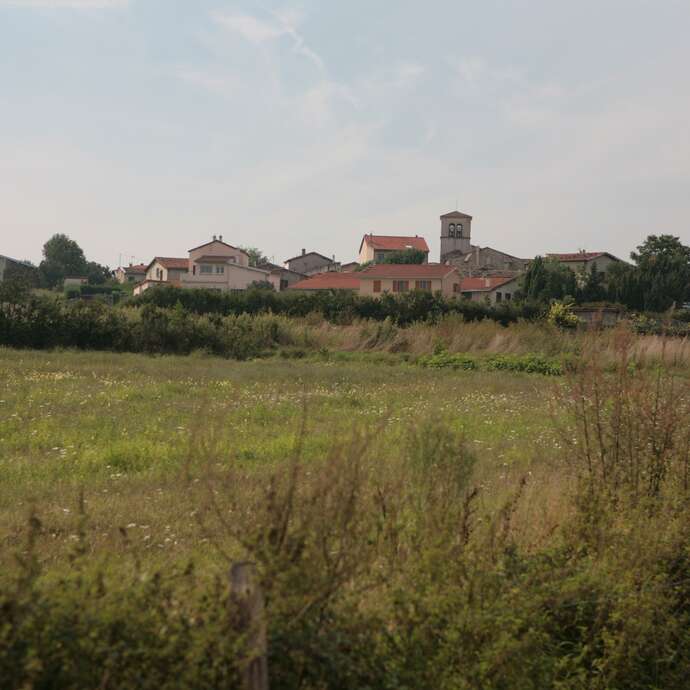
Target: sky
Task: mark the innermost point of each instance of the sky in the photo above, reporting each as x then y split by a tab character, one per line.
143	127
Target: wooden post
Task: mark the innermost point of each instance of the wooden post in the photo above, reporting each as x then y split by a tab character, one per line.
249	600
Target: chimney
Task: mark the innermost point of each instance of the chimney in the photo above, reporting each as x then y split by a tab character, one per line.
304	251
220	237
214	238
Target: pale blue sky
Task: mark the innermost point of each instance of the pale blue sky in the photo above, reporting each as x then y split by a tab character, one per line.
143	127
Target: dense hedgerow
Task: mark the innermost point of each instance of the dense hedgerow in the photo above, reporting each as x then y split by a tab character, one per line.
45	323
336	306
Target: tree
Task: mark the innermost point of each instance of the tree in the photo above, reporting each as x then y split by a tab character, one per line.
547	279
405	256
256	256
663	271
97	274
61	257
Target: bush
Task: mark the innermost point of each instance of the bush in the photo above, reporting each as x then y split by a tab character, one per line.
335	306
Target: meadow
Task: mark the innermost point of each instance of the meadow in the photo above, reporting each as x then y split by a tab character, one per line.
412	526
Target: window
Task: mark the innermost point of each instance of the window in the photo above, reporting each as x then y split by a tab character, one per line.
377	286
458	230
284	283
379	256
205	268
423	285
220	269
508	297
467	295
456	287
401	285
499	296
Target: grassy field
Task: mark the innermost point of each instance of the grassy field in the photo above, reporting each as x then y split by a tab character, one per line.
412	527
124	427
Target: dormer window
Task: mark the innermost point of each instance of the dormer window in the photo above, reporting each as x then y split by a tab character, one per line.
451	230
458	230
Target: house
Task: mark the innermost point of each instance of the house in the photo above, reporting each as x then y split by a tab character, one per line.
131	273
281	278
395	278
13	268
349	267
471	260
311	263
330	280
72	281
376	247
217	265
166	269
493	289
582	260
214	265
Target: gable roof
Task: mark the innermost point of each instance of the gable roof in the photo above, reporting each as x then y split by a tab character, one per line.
456	214
329	281
170	263
299	256
225	244
486	284
137	268
407	271
274	268
395	243
581	256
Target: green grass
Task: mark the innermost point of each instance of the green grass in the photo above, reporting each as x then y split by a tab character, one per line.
120	426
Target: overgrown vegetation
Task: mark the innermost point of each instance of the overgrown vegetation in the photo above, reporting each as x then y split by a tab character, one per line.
454	537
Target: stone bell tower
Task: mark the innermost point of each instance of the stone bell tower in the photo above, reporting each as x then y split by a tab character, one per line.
456	230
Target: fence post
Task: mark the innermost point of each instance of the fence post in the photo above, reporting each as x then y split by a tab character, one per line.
249	600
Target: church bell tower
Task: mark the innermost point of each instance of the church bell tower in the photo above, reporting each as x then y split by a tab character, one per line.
456	231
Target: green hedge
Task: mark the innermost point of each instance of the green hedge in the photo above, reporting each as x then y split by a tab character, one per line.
337	305
531	364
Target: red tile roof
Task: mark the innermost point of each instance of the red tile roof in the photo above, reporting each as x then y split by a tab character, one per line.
329	281
407	271
137	268
169	262
481	284
581	256
396	243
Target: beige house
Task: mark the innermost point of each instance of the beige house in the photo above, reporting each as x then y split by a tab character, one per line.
376	247
396	278
492	289
166	269
582	260
220	266
133	273
215	265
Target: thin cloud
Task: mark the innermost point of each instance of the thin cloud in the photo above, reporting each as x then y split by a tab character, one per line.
258	32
